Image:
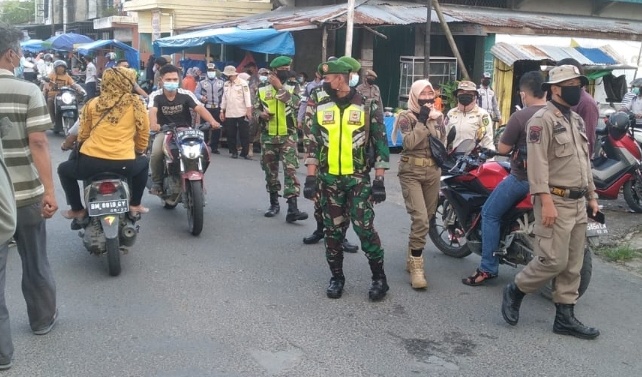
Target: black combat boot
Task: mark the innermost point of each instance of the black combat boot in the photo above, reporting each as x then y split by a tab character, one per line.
293	211
348	247
567	324
316	236
379	285
511	302
335	289
274	205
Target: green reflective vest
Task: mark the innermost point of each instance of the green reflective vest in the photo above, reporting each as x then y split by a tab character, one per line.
345	132
277	124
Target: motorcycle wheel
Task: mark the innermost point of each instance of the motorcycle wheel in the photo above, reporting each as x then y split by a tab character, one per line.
585	276
113	256
631	195
195	207
67	123
443	237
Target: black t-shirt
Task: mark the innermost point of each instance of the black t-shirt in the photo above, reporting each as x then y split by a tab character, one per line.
175	111
515	134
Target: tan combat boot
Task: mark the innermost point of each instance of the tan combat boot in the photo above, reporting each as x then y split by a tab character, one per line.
417	277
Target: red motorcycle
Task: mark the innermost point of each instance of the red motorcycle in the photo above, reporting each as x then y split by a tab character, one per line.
456	227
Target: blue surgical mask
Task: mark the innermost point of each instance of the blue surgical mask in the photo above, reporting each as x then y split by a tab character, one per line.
170	86
636	91
263	78
354	80
211	75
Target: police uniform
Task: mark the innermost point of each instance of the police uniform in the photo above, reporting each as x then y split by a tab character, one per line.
212	90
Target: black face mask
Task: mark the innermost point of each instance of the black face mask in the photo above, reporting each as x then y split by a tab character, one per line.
423	102
465	99
571	94
283	75
370	81
485	82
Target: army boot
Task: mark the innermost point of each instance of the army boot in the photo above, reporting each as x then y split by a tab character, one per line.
348	247
316	236
335	288
417	276
567	324
511	303
293	211
274	205
379	285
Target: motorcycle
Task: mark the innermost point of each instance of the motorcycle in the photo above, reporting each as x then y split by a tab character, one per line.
456	227
186	158
109	226
65	108
618	165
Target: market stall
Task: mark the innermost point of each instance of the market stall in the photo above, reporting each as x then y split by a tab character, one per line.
65	42
130	54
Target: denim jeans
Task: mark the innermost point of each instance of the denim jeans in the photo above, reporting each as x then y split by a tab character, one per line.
504	197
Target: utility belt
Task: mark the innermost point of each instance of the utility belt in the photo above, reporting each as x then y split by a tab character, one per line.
418	161
568	193
211	106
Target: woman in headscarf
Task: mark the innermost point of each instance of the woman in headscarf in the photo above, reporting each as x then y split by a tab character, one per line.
114	131
419	175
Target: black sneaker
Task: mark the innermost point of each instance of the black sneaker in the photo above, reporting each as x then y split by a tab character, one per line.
6	366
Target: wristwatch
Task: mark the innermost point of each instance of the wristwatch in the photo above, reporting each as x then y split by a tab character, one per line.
379	178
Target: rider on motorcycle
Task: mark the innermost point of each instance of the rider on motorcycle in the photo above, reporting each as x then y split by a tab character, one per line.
59	78
114	131
515	186
634	102
171	106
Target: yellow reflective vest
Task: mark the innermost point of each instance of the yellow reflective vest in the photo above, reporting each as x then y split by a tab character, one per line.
278	124
344	133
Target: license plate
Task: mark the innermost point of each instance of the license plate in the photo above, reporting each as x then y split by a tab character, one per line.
594	229
189	134
68	107
108	207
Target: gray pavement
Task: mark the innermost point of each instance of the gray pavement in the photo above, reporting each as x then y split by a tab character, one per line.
247	298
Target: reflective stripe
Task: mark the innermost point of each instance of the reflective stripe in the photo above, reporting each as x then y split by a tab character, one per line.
277	125
341	126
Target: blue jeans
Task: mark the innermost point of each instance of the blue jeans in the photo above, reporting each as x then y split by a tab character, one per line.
504	197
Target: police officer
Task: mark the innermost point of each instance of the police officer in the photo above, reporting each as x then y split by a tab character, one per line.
418	173
467	119
339	136
560	179
210	92
276	106
369	89
487	99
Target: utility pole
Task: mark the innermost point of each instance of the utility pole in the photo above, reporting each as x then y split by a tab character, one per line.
52	18
427	40
451	40
349	27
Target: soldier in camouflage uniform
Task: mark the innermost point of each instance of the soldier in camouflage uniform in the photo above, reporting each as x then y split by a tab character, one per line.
341	131
275	106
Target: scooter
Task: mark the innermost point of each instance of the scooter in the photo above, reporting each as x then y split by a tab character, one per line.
65	108
618	166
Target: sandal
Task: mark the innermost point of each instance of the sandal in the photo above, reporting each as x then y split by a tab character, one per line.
71	214
156	190
136	210
478	278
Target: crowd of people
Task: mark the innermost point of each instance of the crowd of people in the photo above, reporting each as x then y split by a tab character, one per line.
344	137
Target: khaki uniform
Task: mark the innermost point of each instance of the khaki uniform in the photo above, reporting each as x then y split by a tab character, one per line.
372	92
557	158
472	125
419	176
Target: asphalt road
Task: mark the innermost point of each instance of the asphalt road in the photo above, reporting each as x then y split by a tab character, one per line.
247	298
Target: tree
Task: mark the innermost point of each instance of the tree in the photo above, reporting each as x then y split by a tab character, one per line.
15	12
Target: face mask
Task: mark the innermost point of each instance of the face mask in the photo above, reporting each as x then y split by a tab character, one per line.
283	75
170	86
354	80
300	80
370	81
263	78
423	102
636	91
571	94
485	82
465	99
327	87
211	75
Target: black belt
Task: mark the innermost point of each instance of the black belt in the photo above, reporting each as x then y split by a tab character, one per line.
568	193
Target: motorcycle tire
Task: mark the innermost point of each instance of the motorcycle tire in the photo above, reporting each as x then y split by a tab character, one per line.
67	123
168	205
436	233
113	256
585	276
195	206
631	196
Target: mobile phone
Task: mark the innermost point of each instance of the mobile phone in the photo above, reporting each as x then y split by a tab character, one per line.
599	216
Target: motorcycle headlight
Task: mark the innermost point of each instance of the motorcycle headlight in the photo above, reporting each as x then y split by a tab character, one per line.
191	151
67	98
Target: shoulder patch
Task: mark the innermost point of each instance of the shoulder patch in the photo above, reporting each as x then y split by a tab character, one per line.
534	134
404	124
485	120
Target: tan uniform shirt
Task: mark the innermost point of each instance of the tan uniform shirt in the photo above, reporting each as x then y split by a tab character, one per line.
372	92
471	125
415	135
557	150
236	99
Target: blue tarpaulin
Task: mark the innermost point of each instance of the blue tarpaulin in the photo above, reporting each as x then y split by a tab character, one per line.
131	54
267	41
32	45
66	42
597	56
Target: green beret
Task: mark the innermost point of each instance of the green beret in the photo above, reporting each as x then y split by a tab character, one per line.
352	62
280	61
336	66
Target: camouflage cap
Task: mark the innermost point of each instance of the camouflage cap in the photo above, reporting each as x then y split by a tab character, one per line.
280	61
371	73
211	67
335	66
352	62
264	71
563	73
467	86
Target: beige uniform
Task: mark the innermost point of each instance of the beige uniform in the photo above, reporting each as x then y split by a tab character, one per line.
558	159
236	99
472	125
419	176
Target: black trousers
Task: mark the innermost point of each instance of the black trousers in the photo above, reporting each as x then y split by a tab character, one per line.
240	125
90	87
85	167
212	137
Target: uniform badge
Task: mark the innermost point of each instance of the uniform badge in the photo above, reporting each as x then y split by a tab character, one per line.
354	117
268	94
328	117
246	89
324	68
404	124
485	120
558	128
535	134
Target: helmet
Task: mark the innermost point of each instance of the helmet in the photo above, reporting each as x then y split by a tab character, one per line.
48	57
59	63
111	55
637	82
619	123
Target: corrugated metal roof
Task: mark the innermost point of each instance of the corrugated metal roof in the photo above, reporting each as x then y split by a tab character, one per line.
510	53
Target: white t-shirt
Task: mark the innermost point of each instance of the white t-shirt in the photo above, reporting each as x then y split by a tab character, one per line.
90	73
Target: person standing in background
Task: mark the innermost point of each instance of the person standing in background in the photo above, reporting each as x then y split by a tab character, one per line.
91	75
236	109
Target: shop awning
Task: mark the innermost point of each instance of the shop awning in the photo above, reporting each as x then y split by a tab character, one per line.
66	42
131	54
267	41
